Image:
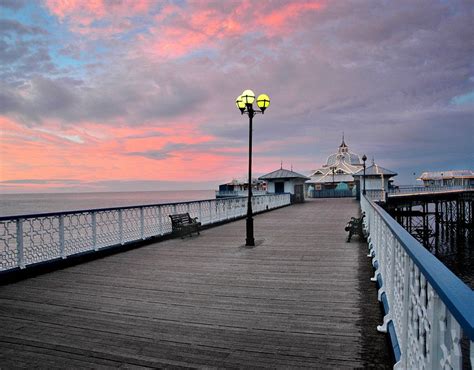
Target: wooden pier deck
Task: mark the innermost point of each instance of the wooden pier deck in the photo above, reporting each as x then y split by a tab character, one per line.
300	298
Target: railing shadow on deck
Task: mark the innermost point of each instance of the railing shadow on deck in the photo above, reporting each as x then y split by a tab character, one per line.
428	309
43	240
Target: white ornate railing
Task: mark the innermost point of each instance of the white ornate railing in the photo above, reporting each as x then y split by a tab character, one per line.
238	193
30	239
375	194
427	189
428	309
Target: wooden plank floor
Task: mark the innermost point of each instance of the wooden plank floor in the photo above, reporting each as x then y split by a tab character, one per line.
301	298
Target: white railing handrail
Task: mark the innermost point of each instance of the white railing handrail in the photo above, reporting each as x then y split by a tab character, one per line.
414	189
44	214
240	193
405	266
38	238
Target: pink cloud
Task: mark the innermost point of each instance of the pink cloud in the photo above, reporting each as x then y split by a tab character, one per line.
81	14
203	25
179	30
285	18
97	9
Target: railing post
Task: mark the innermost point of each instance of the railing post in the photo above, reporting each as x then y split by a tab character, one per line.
160	220
94	231
210	211
200	212
120	226
61	237
388	281
436	313
403	336
19	243
142	223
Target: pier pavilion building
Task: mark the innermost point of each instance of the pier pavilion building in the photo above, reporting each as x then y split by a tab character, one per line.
286	181
448	178
377	180
338	171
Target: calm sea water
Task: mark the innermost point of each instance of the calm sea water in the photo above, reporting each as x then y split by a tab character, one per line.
22	204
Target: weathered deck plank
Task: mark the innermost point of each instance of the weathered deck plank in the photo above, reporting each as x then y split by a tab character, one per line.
301	298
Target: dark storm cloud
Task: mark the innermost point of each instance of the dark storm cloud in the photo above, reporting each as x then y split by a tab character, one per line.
12	4
24	53
8	102
134	97
13	26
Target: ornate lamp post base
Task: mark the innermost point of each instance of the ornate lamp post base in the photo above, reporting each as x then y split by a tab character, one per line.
250	241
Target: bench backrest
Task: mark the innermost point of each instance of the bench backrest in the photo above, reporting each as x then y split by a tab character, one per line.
180	218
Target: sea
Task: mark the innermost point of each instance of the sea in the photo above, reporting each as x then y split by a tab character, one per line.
25	204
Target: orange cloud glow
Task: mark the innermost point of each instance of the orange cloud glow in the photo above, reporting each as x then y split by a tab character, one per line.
120	153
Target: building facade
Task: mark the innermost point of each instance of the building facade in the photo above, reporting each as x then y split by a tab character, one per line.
286	181
448	178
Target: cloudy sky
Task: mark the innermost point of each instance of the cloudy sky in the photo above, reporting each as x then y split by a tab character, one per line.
100	95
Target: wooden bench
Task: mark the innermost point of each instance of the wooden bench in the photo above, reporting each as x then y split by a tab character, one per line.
183	224
356	226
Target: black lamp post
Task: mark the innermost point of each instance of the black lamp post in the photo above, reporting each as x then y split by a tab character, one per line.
364	158
245	103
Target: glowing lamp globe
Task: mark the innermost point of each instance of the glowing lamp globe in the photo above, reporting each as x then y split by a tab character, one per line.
263	102
248	97
240	104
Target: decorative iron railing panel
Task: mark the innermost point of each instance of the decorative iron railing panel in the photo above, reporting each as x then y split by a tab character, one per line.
9	245
78	236
375	194
428	306
41	239
30	239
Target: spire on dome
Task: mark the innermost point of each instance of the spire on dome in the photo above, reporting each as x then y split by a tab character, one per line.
343	148
343	144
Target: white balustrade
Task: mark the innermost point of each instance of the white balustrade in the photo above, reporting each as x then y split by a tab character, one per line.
404	190
31	239
429	308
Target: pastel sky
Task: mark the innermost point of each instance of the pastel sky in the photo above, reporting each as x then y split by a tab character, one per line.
104	95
